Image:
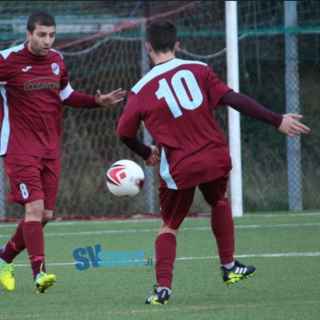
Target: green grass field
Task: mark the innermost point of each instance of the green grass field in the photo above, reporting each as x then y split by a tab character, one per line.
285	248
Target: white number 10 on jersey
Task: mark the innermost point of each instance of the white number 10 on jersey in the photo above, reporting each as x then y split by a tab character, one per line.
165	92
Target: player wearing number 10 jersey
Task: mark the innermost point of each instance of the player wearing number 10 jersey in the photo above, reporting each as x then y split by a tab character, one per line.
175	101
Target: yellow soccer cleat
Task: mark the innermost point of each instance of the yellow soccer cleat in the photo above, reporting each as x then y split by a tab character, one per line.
238	272
158	297
6	275
44	281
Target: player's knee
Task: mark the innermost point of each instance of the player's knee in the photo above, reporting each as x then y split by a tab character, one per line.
166	229
35	211
45	221
212	201
48	214
221	203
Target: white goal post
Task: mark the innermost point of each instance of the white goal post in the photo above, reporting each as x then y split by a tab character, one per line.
233	115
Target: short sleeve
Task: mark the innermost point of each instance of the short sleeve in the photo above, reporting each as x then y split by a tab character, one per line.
3	69
216	89
64	82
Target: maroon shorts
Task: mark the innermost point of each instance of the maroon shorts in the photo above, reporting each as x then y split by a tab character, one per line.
32	178
175	204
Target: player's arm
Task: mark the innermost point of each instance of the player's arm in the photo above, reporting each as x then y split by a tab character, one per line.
149	154
127	129
3	83
135	145
285	123
110	99
79	100
76	99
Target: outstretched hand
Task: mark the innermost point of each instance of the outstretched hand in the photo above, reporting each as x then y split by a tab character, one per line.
3	83
291	127
110	99
154	157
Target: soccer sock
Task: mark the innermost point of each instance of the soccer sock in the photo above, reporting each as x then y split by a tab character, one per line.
34	240
14	246
228	265
166	246
223	228
166	288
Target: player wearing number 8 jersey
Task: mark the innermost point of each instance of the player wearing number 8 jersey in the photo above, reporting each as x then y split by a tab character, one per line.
34	87
175	102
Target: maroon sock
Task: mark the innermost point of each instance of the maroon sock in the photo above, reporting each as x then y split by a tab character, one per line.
15	245
166	246
223	229
34	240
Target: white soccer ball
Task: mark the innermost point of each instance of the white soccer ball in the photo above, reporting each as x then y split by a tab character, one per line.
125	178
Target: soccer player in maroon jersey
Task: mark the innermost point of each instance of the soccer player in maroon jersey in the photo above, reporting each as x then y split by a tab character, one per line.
175	102
34	86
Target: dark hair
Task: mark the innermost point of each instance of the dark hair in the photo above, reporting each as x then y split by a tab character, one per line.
162	35
42	18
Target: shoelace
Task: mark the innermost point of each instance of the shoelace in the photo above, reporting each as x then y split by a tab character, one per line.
239	264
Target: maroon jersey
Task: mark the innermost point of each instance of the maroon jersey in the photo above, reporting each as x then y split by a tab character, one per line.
31	102
175	101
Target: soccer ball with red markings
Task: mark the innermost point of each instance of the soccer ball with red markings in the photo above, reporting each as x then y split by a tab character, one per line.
125	178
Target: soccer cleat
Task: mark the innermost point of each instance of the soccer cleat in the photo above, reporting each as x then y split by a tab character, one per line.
158	298
238	272
44	281
6	275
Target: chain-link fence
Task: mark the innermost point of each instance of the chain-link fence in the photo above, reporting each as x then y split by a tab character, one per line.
102	43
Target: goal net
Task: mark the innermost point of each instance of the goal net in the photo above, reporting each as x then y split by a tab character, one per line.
103	45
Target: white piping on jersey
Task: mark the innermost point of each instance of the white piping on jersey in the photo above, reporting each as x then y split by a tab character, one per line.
162	68
65	93
7	52
5	128
165	173
57	52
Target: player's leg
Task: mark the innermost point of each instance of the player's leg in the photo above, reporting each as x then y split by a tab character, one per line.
50	182
11	249
16	244
214	193
175	205
7	253
34	236
43	280
26	174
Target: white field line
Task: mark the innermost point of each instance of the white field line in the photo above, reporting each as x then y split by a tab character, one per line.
129	221
253	226
263	255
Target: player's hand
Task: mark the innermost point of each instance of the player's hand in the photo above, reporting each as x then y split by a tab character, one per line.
110	99
291	127
154	157
3	83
